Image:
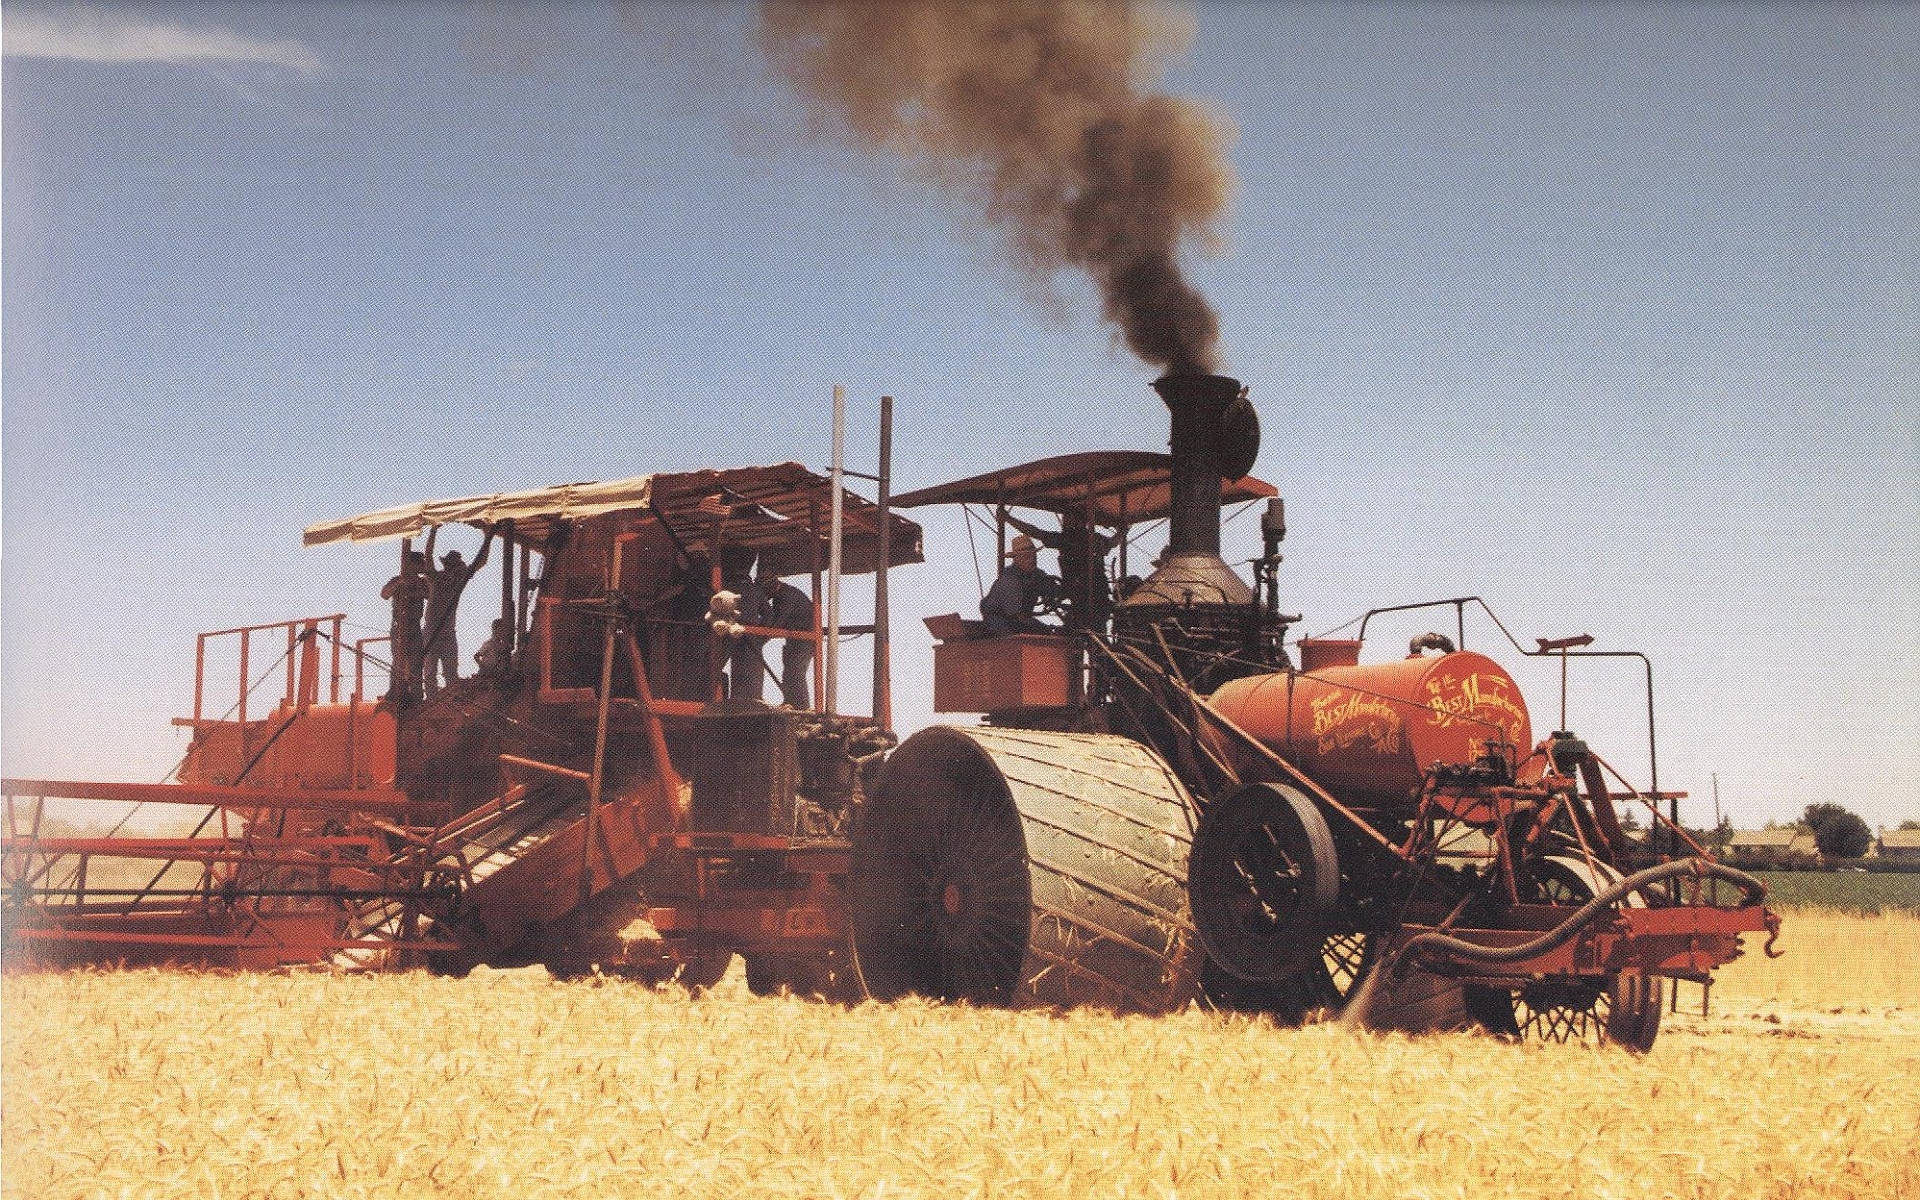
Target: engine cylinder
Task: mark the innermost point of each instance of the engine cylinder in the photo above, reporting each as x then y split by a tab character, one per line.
1368	733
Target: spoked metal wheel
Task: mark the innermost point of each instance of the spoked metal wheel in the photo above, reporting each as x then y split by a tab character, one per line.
1624	1011
940	892
1345	958
1016	866
1263	877
1344	961
1620	1010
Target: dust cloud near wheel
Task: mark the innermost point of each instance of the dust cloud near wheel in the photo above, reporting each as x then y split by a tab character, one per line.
1010	866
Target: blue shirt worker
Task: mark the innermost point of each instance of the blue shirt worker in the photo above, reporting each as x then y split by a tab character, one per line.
1022	591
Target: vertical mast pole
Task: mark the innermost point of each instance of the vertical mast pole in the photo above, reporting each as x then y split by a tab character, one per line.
882	652
505	530
832	648
595	780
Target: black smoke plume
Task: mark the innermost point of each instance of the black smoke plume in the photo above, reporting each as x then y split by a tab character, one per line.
1044	113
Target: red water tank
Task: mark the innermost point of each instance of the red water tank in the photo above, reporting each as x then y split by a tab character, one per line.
1368	733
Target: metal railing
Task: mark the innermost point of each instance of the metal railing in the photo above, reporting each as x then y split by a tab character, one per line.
294	630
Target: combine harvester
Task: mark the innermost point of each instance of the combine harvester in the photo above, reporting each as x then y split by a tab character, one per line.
1161	806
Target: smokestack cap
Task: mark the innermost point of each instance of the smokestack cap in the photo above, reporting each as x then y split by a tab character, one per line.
1215	391
1229	424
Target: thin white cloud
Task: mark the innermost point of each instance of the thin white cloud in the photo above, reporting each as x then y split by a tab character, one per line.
86	35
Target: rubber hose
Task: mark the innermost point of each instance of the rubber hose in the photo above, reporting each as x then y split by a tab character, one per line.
1753	892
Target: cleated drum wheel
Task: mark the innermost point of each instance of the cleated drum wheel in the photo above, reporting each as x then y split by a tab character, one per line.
1622	1010
1022	867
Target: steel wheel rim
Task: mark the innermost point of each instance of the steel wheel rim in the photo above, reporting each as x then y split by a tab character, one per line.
1557	1012
1260	881
939	888
1345	958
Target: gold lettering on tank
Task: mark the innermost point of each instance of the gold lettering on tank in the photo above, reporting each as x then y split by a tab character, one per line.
1346	719
1480	697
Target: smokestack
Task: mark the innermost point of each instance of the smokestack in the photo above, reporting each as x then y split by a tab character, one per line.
1215	435
1197	403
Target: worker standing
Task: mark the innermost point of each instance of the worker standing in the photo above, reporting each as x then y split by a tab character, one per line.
444	586
787	607
408	592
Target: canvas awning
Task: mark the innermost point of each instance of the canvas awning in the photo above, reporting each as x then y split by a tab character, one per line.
532	511
782	511
1117	487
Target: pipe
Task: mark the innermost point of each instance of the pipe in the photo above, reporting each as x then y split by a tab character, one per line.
882	648
1195	403
831	698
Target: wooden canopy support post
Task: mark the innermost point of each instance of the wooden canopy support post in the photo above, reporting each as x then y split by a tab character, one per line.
819	657
525	585
507	556
333	691
831	699
882	650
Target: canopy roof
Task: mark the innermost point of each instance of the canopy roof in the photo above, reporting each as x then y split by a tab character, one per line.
1117	487
783	511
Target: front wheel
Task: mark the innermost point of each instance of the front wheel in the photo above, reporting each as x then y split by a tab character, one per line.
1617	1010
1261	882
700	971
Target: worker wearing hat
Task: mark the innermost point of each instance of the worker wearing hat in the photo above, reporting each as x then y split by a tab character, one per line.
444	585
1022	591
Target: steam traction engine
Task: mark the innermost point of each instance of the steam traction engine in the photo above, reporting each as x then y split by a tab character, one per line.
1162	806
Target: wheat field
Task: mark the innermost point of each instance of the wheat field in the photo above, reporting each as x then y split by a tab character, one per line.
506	1084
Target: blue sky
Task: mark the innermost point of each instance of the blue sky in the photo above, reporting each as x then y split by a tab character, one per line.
1605	313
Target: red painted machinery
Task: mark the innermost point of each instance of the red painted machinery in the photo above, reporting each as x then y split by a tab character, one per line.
1387	839
538	812
1163	805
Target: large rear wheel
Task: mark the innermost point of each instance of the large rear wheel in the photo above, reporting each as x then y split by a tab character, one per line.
1013	866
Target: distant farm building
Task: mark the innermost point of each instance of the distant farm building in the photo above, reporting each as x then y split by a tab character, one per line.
1901	844
1773	846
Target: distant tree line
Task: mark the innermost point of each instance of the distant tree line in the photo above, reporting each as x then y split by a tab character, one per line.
1840	836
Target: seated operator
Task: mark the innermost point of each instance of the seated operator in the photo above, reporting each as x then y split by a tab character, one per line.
1083	553
1022	590
495	657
